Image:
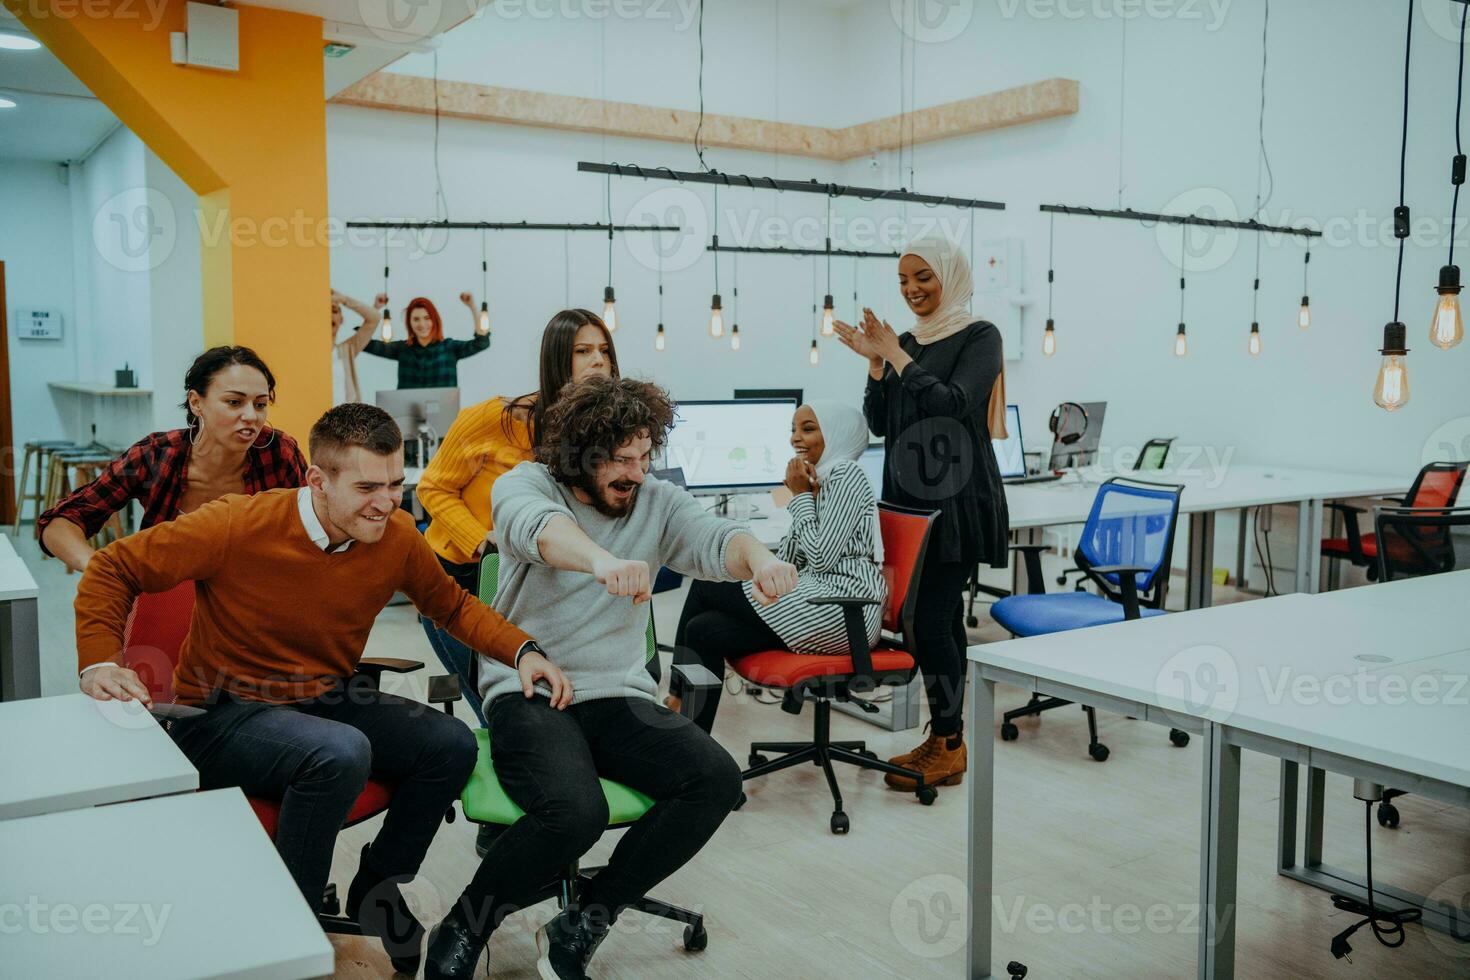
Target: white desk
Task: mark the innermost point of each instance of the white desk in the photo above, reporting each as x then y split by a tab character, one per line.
1229	674
66	752
183	886
20	643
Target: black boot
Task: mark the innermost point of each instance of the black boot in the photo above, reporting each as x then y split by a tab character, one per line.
454	947
566	945
376	904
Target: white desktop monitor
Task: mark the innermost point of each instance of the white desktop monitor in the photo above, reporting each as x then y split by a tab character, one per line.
1010	452
734	446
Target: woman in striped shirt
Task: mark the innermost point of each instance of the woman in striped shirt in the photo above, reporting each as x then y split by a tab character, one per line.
833	542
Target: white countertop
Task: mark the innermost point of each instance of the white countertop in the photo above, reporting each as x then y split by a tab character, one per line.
178	887
16	581
96	388
70	751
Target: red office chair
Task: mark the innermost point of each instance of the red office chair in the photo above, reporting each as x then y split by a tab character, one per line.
1437	485
155	631
824	679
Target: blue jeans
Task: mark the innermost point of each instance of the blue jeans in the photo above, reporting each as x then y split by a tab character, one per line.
458	660
316	756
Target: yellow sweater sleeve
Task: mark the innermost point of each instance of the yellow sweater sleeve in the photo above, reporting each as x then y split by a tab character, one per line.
466	447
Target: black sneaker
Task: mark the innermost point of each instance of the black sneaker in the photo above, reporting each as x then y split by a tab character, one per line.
565	946
376	904
454	948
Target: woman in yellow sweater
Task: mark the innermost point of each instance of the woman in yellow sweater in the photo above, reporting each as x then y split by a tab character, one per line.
485	441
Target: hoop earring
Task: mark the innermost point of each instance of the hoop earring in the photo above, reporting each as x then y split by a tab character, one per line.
269	441
194	430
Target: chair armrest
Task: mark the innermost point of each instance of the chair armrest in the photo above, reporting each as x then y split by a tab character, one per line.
444	688
691	684
1031	554
857	637
174	712
1127	584
375	667
1354	535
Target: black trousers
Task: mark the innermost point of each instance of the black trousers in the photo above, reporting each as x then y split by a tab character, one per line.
940	642
549	761
316	756
718	622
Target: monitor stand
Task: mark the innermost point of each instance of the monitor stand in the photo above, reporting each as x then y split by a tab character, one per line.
722	508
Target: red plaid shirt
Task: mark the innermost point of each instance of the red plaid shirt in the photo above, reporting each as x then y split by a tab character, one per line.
155	471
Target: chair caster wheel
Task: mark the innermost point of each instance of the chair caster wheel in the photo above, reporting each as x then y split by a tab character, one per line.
1017	971
1009	732
1098	751
695	938
869	754
927	795
972	621
839	823
1388	816
1180	739
756	759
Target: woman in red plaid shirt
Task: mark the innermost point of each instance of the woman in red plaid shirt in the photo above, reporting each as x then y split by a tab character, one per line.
227	447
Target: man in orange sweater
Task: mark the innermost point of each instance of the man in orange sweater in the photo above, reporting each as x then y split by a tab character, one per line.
288	584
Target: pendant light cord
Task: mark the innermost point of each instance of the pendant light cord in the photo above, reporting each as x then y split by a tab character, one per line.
699	128
1398	278
717	231
1051	238
1122	106
1183	236
607	209
1459	93
1263	161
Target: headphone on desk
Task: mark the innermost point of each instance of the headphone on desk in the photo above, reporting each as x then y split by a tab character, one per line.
1059	419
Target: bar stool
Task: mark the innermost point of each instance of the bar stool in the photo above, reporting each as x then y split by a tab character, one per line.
88	470
87	464
40	450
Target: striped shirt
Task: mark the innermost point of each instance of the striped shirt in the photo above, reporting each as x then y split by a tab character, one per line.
831	544
434	366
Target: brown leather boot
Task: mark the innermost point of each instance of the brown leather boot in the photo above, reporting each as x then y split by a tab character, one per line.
907	757
941	759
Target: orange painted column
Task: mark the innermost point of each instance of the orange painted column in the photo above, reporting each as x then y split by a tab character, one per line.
252	144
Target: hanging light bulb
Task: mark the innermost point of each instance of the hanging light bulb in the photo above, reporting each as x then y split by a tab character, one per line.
658	338
1304	315
1447	329
827	316
483	321
716	317
1181	343
735	327
609	309
484	317
735	337
1049	339
815	356
386	331
1391	390
1254	346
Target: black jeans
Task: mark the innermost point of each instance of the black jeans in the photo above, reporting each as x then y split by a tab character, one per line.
718	622
457	657
316	756
940	642
548	762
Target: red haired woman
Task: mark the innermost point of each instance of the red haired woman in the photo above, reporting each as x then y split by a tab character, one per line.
426	359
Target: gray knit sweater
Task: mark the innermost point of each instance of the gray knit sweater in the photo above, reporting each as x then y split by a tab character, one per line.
599	640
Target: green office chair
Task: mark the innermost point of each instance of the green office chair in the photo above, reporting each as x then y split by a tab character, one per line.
485	802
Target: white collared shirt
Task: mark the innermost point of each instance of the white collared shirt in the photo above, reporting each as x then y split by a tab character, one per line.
313	525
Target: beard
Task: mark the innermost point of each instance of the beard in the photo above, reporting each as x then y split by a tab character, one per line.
608	507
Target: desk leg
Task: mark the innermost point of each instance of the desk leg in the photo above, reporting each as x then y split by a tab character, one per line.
1286	818
1242	555
981	778
1219	841
1303	545
20	650
1314	550
1200	586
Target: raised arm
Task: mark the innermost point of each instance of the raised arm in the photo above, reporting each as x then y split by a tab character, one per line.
371	317
699	544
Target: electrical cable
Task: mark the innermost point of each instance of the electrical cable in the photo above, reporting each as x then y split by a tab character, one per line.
1459	152
699	128
1388	927
1403	168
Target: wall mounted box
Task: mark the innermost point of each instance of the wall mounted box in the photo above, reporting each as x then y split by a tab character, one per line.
214	37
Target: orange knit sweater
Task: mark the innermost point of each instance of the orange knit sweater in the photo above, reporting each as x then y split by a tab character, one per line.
276	618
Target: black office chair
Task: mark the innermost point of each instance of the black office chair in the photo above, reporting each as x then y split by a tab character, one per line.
1416	541
1154	454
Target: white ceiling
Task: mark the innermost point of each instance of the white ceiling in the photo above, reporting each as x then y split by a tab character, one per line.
57	119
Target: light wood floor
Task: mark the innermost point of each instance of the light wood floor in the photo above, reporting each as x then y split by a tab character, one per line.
1095	864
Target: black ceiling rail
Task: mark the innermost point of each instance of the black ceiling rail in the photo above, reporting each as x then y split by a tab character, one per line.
504	226
1128	214
828	189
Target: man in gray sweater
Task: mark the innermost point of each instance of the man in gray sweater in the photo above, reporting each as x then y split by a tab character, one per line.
580	532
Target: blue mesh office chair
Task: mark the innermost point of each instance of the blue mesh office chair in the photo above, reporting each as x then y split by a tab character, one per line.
1124	552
